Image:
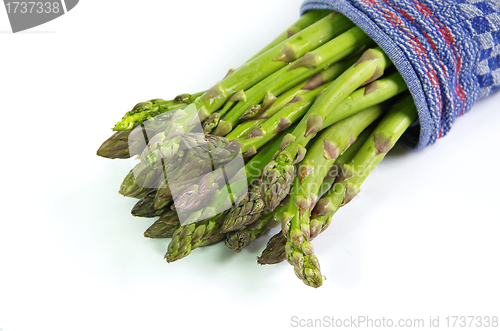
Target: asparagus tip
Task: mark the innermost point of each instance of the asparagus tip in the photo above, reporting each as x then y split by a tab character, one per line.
286	141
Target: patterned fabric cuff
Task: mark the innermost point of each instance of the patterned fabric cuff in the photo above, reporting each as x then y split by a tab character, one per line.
448	52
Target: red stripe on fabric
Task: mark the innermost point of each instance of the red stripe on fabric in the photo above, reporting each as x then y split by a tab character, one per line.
419	49
448	37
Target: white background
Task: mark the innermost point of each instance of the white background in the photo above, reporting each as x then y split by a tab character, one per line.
421	240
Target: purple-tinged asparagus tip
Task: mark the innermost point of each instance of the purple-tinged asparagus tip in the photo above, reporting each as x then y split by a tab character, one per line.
283	124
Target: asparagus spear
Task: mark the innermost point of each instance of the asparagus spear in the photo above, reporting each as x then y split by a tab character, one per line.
387	133
139	181
193	235
161	150
285	78
366	160
243	129
257	69
145	207
311	172
245	212
355	171
275	248
164	227
125	144
304	21
262	66
278	174
365	97
116	146
146	110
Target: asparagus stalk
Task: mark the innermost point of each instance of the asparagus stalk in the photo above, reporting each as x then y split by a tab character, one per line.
278	174
125	144
356	170
304	21
364	158
256	70
164	227
275	249
311	172
386	134
372	94
285	78
146	110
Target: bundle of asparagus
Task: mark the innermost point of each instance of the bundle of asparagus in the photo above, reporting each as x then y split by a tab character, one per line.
309	117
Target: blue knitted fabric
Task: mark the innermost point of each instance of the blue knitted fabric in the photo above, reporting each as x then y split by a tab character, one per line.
448	52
